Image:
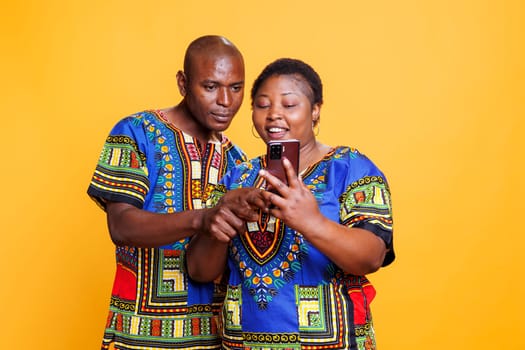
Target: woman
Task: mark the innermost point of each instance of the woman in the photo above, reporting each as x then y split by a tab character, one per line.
297	275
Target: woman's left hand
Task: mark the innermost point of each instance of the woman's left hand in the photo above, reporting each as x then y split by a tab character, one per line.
294	204
356	251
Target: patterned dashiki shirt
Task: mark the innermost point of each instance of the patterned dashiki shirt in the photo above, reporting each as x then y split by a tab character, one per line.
283	293
154	166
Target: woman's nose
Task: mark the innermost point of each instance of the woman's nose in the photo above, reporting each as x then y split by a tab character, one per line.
274	113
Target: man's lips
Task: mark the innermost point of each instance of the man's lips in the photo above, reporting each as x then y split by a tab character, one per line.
222	117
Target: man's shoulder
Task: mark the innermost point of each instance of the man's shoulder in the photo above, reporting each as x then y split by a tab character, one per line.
145	115
137	120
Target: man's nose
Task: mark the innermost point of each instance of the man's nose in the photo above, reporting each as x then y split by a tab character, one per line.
224	97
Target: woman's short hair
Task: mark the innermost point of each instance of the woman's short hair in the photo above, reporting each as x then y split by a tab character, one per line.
292	66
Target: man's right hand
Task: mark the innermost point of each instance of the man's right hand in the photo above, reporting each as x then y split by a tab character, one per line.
236	207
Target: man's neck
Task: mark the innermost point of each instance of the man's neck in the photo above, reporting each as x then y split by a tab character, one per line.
182	118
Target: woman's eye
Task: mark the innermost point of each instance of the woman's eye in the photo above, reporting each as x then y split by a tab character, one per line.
289	105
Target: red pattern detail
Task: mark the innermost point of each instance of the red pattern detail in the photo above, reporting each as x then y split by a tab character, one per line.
361	300
195	326
155	327
125	286
364	217
214	329
119	323
110	317
192	151
263	242
134	161
172	252
216	160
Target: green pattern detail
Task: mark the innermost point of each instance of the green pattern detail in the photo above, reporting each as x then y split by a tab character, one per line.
166	330
314	320
218	192
187	328
126	323
308	293
205	325
145	326
365	337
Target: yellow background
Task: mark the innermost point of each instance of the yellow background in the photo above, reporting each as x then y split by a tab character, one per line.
432	91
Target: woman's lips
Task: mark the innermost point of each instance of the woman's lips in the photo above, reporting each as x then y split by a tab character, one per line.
276	132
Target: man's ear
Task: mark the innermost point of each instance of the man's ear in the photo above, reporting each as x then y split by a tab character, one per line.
181	82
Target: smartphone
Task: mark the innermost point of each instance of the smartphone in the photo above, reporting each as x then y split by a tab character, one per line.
276	150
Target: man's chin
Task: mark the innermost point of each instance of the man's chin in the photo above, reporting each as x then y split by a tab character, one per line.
220	127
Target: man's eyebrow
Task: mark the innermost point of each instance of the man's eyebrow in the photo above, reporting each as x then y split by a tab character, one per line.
210	81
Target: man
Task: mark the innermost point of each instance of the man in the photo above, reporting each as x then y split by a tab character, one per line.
153	176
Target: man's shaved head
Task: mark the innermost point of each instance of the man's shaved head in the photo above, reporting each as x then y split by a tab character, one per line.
212	85
208	46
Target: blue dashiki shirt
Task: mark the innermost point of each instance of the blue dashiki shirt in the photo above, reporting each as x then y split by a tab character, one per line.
154	166
283	293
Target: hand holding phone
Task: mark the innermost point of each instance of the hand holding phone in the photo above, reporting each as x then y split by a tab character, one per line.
276	150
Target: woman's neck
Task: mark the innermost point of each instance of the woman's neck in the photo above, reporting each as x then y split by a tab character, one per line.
312	153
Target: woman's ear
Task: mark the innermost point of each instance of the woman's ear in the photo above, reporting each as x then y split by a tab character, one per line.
181	82
316	114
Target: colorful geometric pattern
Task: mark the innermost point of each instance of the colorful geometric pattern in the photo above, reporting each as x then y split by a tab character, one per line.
263	283
283	293
121	172
153	165
163	285
322	323
367	200
188	332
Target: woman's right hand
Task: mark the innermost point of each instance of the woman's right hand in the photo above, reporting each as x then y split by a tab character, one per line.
294	204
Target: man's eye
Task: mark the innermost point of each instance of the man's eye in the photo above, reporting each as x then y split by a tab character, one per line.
236	88
209	87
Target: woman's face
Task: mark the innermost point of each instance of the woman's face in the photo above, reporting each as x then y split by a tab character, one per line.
282	109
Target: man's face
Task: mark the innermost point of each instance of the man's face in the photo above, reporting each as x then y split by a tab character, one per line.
214	89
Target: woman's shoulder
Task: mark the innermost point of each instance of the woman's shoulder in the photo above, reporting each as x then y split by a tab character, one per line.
243	174
255	163
347	154
353	161
233	150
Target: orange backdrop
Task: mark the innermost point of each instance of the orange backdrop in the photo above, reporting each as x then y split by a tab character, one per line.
432	91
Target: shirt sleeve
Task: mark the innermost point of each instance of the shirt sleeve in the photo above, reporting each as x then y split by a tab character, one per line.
121	174
366	204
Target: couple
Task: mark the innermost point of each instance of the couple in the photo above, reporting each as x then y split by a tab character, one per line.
294	259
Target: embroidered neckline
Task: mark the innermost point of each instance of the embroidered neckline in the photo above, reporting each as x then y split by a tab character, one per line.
161	115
